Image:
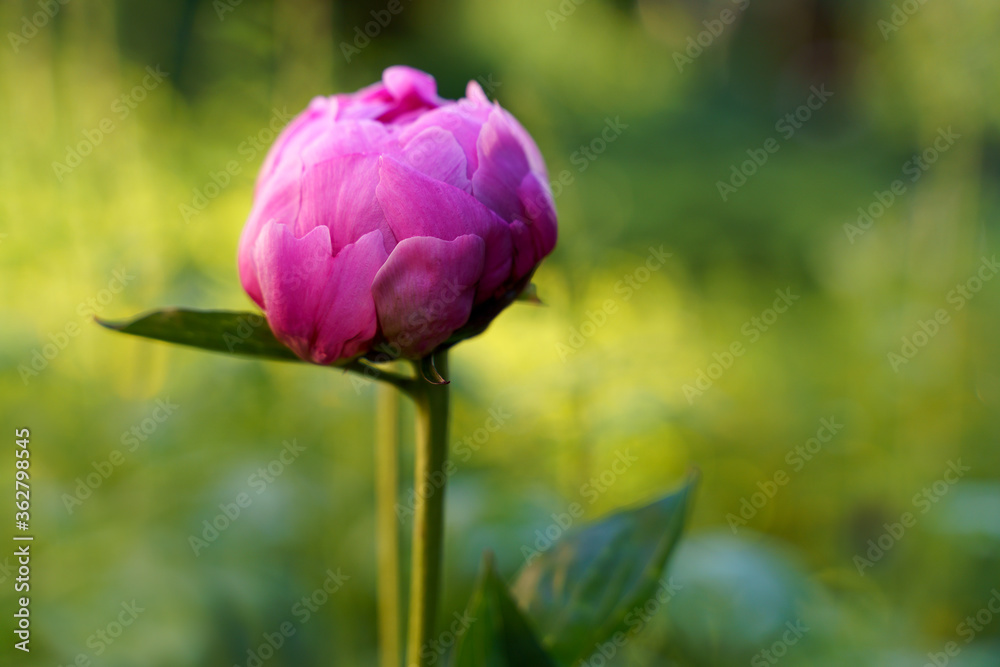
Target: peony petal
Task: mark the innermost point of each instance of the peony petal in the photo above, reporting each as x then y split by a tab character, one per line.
425	290
406	82
525	255
540	211
279	200
502	167
348	324
340	193
463	121
474	93
436	153
417	205
317	304
411	90
316	119
348	137
535	160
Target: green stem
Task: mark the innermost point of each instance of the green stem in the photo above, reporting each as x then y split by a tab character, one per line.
386	523
428	523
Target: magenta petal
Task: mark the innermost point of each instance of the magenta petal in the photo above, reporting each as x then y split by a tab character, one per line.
316	119
436	153
340	194
349	319
463	121
417	205
349	137
540	211
405	82
425	291
474	93
525	255
535	159
317	304
279	200
502	166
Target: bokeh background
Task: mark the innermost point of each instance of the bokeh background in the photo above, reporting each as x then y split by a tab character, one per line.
111	236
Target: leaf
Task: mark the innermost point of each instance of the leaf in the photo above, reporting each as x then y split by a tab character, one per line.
229	332
579	592
498	634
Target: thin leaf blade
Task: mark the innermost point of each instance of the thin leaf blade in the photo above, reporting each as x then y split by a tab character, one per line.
228	332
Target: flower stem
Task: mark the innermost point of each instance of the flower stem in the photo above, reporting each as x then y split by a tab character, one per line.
428	523
386	524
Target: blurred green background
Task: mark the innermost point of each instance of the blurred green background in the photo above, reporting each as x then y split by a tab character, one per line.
109	234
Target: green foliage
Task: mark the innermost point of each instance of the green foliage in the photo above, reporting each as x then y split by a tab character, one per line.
580	592
242	333
498	634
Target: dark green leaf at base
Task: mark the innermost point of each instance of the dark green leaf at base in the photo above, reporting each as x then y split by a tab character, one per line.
580	591
499	636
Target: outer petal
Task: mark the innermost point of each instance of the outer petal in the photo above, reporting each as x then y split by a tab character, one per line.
436	153
315	120
503	165
417	205
525	255
535	159
540	211
348	137
317	304
425	290
340	194
279	199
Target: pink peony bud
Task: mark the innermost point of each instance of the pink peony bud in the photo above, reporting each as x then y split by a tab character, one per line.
394	219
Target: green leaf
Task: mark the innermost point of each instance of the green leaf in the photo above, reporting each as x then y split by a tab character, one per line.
580	591
498	635
229	332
